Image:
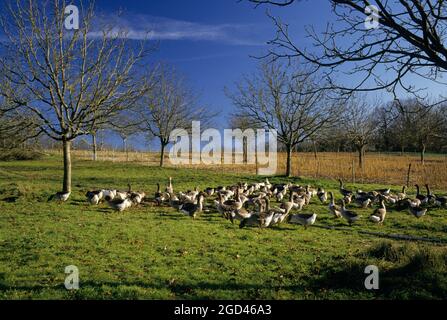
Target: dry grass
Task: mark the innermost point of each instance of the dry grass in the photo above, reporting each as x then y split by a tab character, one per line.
378	168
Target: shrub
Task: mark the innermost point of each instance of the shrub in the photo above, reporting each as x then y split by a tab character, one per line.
19	155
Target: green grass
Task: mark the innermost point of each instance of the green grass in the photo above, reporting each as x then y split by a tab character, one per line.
156	253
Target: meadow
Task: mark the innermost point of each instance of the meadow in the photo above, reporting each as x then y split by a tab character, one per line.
151	252
378	167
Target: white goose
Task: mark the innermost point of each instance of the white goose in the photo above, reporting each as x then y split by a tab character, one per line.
118	204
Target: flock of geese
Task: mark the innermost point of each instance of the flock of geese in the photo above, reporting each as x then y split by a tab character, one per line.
250	204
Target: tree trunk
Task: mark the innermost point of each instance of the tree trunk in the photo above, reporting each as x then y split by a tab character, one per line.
289	161
125	148
94	147
423	153
162	155
256	156
245	149
66	187
361	151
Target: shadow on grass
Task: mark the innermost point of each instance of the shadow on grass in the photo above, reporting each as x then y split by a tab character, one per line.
181	289
405	272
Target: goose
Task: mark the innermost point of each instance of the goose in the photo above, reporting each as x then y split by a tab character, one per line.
322	195
241	214
289	205
300	201
374	195
419	196
250	189
262	219
226	194
279	187
192	209
60	196
252	198
159	196
281	194
278	218
254	220
227	207
402	195
134	196
186	198
347	199
361	194
350	216
384	192
305	219
193	194
233	204
363	202
379	214
393	199
266	190
94	197
403	204
283	213
265	213
174	202
170	188
217	204
415	202
267	183
433	199
209	191
440	201
190	195
122	195
343	191
118	204
333	208
418	212
227	212
137	197
313	192
308	195
279	214
109	193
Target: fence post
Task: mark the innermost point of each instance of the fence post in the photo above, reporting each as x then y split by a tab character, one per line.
353	171
408	175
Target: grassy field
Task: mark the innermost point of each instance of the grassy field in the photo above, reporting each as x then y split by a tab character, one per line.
378	167
150	252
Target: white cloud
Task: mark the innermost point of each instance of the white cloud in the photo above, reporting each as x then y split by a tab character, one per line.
138	27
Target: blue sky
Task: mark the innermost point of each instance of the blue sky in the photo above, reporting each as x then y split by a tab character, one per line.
211	42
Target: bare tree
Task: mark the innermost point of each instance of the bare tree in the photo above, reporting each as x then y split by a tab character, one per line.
290	103
238	121
15	127
358	124
421	124
71	80
168	106
410	39
126	124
